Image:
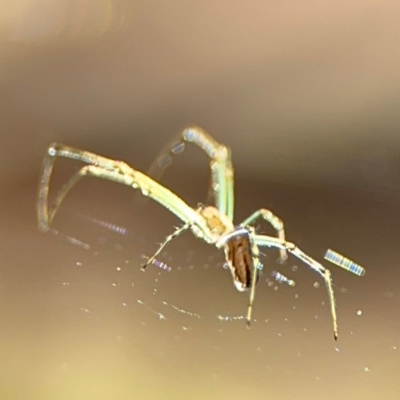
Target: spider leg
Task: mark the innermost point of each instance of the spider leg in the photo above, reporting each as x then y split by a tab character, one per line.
174	235
268	241
255	254
276	223
116	171
46	215
220	164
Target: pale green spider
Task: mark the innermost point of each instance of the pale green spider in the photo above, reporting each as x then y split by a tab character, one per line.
213	224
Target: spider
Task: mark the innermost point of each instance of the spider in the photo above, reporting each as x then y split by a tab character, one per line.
211	223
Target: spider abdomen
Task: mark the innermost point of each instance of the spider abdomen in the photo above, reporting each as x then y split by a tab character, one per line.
239	258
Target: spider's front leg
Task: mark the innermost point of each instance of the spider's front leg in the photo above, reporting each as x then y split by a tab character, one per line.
46	213
117	171
276	223
269	241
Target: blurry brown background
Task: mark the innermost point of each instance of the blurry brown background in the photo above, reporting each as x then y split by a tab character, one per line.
306	95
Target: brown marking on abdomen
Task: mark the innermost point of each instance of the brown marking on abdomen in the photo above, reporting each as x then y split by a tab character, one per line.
239	257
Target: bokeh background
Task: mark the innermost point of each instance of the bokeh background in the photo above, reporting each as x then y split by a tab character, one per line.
307	97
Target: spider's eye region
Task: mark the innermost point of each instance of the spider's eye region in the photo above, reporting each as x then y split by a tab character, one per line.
208	212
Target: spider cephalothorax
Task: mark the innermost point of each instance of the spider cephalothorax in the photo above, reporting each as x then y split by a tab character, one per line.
218	223
214	224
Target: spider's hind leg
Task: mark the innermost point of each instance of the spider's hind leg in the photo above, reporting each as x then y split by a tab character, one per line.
256	261
268	241
276	223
